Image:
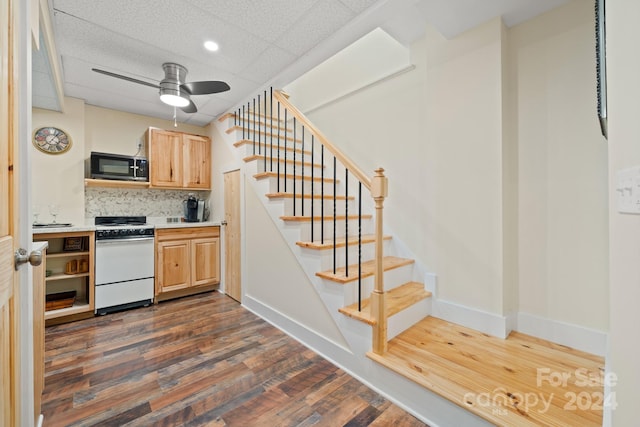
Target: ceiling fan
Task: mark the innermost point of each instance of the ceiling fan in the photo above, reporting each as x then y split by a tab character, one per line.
174	90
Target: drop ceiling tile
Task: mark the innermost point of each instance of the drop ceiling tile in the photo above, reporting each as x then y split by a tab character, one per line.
325	18
171	27
358	6
265	19
272	61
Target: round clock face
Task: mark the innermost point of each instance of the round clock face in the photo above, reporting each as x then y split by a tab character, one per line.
51	140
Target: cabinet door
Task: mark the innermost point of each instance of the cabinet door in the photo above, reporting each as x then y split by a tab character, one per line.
165	158
205	265
173	265
197	161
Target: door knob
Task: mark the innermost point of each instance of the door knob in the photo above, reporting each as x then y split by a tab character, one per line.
223	222
34	258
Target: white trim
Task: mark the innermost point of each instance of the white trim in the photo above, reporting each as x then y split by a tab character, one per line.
574	336
482	321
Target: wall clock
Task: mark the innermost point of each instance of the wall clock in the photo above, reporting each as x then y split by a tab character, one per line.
51	140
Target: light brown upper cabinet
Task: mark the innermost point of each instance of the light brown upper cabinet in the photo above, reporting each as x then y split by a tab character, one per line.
178	160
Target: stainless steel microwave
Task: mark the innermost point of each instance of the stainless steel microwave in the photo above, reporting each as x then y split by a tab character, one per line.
120	167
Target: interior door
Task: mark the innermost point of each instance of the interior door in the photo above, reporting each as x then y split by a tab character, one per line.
16	375
232	236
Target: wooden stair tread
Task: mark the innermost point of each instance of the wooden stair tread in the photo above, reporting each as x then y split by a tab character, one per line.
282	160
268	174
262	144
283	195
340	242
396	300
367	269
320	218
463	365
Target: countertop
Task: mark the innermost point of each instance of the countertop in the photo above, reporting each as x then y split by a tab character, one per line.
157	222
39	246
186	224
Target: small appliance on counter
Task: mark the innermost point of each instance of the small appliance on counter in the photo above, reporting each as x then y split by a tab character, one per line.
194	209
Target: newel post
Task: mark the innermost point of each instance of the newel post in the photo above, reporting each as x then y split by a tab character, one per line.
379	191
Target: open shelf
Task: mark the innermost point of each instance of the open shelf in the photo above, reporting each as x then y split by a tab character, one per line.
62	276
67	254
57	261
78	307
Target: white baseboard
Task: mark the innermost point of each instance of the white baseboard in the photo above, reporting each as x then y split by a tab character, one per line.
574	336
489	323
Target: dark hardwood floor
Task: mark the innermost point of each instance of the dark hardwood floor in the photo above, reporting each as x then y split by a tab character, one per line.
198	361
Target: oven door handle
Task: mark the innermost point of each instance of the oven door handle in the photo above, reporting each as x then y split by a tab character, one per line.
114	241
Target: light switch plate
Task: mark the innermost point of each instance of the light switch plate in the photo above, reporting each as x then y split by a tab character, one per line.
628	190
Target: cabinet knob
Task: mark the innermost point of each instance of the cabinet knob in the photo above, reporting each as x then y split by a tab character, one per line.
21	257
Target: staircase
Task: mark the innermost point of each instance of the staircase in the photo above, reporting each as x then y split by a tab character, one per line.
319	201
321	196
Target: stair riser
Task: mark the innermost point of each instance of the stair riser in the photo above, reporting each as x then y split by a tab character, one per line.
392	279
272	159
257	166
318	206
268	139
305	228
306	184
263	124
261	118
325	256
408	317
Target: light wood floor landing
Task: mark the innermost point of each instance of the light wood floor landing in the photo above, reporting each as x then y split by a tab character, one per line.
520	381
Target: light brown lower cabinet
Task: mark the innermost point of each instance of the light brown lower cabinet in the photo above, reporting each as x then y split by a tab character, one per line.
187	261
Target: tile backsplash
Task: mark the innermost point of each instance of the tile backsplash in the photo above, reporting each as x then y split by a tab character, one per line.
149	202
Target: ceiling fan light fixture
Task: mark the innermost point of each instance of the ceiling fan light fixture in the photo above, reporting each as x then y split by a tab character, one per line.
170	91
175	100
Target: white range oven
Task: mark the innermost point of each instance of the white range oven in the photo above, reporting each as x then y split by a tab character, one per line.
124	263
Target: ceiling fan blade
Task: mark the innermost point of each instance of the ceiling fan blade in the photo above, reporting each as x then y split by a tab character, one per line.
191	108
205	87
120	76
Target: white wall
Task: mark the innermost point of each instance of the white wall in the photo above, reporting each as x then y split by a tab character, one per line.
274	277
111	131
562	168
496	168
444	179
59	178
464	133
623	67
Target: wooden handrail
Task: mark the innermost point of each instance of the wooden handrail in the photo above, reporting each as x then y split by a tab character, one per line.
342	158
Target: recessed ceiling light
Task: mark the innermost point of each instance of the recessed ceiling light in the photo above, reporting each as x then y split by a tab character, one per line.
211	46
